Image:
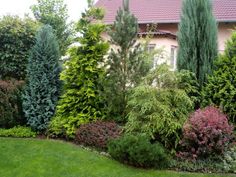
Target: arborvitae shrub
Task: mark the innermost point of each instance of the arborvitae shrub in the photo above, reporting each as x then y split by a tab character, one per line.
221	87
207	133
137	150
97	134
10	104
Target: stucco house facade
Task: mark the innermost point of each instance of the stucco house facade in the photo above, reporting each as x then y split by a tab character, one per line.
166	14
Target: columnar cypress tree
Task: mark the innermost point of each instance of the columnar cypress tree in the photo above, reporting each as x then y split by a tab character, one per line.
197	38
42	89
81	101
126	65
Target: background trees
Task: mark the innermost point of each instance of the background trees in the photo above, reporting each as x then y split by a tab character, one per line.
81	101
16	39
55	14
197	38
42	88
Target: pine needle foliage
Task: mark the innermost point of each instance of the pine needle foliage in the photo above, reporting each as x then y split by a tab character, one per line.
125	62
81	101
42	87
197	38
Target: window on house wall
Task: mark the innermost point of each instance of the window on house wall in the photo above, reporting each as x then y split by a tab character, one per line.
173	57
151	47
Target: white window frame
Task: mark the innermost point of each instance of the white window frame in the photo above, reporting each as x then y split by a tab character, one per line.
173	57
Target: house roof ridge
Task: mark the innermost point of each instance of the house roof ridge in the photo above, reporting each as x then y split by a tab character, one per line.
164	11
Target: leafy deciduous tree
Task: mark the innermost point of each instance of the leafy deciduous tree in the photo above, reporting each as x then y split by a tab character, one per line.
55	14
16	39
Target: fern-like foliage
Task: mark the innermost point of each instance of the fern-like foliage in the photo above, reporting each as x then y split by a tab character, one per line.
159	108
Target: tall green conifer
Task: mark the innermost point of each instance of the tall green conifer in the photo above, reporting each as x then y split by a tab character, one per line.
81	101
125	61
197	38
42	88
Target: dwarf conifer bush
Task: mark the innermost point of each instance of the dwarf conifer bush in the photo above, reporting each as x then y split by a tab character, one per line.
205	134
137	150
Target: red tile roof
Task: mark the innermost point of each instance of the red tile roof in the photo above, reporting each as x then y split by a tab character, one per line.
165	11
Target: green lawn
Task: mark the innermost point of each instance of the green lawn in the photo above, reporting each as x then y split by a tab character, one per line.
47	158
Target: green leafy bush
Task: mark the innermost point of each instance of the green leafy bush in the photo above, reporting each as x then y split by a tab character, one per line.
55	14
229	160
97	134
11	113
137	150
16	39
18	132
206	134
221	87
161	110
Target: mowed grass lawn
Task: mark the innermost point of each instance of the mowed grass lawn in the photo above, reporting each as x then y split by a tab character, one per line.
48	158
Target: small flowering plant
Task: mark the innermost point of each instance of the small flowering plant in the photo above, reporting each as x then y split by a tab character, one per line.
207	133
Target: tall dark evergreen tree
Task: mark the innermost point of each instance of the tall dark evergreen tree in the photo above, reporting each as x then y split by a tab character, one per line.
197	38
125	61
42	88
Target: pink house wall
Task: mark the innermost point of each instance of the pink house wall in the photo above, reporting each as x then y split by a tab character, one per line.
168	43
224	33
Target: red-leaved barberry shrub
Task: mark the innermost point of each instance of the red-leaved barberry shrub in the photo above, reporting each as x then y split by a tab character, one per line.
207	133
97	134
